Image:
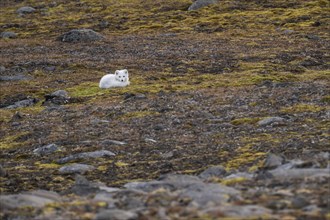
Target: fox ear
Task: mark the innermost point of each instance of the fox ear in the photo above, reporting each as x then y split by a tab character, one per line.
125	71
116	72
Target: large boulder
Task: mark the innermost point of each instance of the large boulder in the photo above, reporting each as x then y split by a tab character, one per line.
201	3
80	35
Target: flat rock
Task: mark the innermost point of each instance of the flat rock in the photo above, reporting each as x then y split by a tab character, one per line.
8	34
13	78
201	3
214	171
272	161
240	212
45	150
76	168
112	142
23	103
38	198
270	120
80	35
289	174
86	155
116	214
208	194
83	187
26	10
170	182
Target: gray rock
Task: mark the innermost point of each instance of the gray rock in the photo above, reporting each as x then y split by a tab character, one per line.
241	212
287	31
170	182
76	168
2	69
201	3
38	198
26	10
273	161
244	175
208	194
58	97
60	93
299	202
8	34
23	103
289	174
13	78
86	155
270	120
113	142
45	150
215	171
80	35
116	214
83	187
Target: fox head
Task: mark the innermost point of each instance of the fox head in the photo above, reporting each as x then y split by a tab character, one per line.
121	75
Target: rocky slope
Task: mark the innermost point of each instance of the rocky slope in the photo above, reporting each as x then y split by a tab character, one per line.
227	114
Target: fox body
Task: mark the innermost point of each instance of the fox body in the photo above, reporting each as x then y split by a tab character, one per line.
119	79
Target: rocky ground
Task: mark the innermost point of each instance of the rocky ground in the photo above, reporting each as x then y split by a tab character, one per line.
227	114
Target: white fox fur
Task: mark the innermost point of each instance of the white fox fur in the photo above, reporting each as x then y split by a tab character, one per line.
119	79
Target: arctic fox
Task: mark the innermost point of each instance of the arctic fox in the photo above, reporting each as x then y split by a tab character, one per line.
119	79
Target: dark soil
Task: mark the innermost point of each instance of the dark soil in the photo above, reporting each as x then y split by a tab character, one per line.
199	86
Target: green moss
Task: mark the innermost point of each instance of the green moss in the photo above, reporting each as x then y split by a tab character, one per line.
138	114
229	182
300	108
47	165
326	99
245	156
11	141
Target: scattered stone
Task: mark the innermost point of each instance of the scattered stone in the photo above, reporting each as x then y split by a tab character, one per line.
270	120
8	34
287	32
23	103
86	155
58	97
150	140
80	35
76	168
50	68
167	155
215	171
312	37
45	150
26	10
273	161
201	3
2	69
38	198
113	142
58	94
116	214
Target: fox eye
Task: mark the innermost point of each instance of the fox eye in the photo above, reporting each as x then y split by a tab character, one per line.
119	76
